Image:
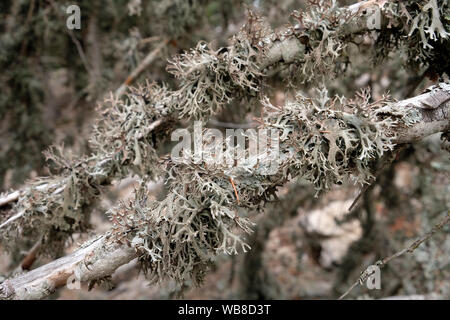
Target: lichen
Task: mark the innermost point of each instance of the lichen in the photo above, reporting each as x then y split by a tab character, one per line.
178	237
334	139
210	79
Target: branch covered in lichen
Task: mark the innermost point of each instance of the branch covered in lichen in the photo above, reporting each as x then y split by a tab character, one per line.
129	131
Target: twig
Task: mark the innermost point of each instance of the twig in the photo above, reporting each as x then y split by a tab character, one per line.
74	39
30	258
14	217
10	198
232	125
141	67
381	263
27	21
150	39
235	191
385	161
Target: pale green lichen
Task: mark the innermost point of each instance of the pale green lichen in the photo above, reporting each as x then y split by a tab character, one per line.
210	79
330	139
178	237
428	23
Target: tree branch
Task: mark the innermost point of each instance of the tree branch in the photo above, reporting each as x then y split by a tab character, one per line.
101	257
94	260
434	108
283	49
410	249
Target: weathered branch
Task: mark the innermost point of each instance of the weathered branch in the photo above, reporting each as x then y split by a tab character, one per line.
141	67
95	260
284	49
434	108
101	258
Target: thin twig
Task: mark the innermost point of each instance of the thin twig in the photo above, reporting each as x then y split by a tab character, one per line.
141	67
233	125
74	40
409	249
31	257
14	217
10	198
385	161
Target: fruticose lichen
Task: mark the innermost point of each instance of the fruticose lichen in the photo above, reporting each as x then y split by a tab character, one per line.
333	139
322	140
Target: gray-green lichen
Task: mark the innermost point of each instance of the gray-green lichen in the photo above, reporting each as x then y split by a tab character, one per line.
324	140
210	79
123	141
334	139
177	238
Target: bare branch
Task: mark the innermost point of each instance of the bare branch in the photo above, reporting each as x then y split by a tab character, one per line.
434	108
95	260
141	67
10	197
410	249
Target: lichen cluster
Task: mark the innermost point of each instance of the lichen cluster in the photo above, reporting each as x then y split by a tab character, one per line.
210	79
322	29
123	142
178	237
323	140
126	129
420	30
53	208
417	30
